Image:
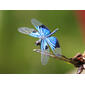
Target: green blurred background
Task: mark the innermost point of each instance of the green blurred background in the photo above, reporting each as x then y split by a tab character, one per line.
16	49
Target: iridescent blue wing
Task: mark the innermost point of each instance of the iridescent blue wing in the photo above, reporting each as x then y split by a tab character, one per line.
54	44
44	51
42	29
29	31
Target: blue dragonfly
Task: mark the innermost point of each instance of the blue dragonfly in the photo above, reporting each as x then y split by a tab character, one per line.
45	39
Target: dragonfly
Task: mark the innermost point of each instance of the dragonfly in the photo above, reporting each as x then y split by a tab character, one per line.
45	41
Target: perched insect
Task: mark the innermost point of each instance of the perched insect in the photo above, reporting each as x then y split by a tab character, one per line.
45	39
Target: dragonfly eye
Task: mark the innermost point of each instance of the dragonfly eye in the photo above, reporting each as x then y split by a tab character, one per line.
38	43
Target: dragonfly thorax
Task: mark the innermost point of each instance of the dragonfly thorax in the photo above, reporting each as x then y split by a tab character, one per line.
42	37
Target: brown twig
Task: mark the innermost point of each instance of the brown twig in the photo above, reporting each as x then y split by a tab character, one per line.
78	61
